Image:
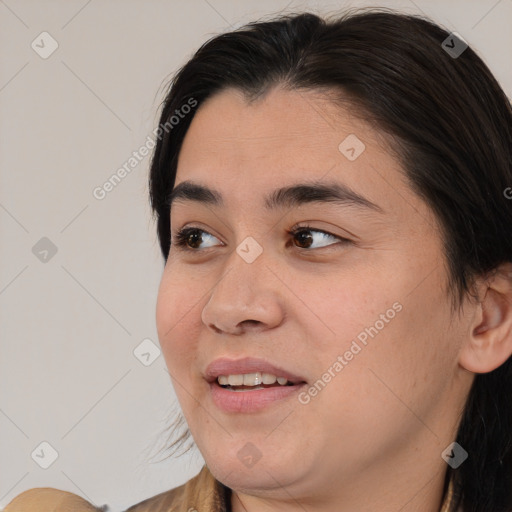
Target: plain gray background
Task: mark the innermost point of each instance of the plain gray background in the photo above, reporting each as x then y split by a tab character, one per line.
70	321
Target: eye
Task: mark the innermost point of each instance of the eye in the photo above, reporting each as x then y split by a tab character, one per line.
303	234
191	238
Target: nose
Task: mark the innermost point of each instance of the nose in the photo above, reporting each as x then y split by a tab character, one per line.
248	297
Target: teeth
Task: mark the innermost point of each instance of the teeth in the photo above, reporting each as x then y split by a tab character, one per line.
236	380
268	378
250	379
222	380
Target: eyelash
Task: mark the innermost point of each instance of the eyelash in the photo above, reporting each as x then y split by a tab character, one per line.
180	239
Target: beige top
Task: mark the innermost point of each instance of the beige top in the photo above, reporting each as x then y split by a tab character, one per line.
202	493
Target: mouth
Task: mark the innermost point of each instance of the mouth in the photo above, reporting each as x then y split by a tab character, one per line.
249	385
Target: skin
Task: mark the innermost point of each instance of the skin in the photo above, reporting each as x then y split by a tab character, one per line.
372	438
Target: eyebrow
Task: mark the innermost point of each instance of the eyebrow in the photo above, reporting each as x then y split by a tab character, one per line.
285	197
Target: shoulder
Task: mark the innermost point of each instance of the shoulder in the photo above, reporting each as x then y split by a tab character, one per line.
46	499
202	492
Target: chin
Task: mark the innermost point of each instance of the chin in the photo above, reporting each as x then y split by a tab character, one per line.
257	481
251	468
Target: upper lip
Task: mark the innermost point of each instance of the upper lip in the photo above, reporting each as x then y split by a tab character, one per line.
225	366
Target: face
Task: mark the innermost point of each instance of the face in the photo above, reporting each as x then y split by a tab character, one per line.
345	297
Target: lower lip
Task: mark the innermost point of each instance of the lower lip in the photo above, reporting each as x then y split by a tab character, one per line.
250	401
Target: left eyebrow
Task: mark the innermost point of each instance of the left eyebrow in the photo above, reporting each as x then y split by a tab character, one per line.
285	197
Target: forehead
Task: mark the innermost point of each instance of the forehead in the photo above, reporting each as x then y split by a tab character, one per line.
281	122
248	149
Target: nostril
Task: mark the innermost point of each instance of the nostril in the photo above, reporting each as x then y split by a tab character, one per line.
251	322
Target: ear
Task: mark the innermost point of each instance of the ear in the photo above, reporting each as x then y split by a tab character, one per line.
489	341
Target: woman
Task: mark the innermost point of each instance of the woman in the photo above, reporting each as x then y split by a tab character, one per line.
336	306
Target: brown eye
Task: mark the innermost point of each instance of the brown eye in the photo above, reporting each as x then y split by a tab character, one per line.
304	236
190	238
193	239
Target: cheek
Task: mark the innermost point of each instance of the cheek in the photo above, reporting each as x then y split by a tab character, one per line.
347	307
410	363
396	342
177	310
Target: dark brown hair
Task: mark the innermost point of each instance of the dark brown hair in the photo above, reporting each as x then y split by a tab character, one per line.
451	124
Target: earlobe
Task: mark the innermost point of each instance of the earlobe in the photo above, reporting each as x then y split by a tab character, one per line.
489	340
